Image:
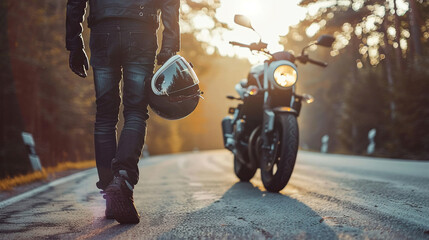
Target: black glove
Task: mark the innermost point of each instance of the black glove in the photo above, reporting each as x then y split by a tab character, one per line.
78	62
164	55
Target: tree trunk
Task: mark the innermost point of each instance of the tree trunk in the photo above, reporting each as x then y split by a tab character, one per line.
398	53
415	29
13	153
389	69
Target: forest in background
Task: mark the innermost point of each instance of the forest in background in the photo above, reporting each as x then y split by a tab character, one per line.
377	79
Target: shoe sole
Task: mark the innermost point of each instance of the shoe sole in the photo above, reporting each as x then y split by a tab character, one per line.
123	209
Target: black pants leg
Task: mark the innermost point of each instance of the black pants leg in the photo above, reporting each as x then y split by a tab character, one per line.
121	49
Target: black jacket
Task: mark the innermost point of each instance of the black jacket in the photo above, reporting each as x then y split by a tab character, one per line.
142	10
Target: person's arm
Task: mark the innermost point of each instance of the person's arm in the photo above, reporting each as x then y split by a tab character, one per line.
78	61
170	19
171	35
74	18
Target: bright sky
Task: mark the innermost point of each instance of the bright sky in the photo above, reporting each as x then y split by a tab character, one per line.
270	18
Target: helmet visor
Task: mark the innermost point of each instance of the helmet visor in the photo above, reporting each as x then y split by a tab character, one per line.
174	76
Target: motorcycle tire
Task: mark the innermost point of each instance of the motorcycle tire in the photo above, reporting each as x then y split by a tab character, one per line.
286	126
242	171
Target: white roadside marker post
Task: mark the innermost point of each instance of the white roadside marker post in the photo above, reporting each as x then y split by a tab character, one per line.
371	147
325	142
31	147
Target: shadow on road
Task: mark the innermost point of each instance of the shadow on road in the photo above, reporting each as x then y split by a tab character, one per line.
244	211
108	229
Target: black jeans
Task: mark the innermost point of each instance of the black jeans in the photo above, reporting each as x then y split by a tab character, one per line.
121	48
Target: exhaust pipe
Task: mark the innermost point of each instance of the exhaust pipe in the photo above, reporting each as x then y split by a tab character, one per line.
227	129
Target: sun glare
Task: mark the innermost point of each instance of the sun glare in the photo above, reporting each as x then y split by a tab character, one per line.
270	18
250	8
313	29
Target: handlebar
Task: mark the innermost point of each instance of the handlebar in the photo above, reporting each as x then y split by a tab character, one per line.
254	46
261	46
322	64
239	44
304	59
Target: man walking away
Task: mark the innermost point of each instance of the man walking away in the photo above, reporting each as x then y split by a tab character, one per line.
123	45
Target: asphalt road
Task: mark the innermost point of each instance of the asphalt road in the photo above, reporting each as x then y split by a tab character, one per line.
196	195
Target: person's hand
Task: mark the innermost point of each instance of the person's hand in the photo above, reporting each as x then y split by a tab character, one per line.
164	55
78	62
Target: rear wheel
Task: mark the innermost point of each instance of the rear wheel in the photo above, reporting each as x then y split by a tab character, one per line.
278	161
242	171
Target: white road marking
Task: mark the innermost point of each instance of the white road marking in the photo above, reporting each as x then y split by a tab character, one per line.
43	188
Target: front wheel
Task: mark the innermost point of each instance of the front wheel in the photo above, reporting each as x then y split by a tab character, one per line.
278	161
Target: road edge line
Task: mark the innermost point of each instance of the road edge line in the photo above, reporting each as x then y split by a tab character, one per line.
43	188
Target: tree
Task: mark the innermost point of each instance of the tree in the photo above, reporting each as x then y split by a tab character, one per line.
13	153
380	79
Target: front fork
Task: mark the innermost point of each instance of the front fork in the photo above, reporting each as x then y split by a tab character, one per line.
268	122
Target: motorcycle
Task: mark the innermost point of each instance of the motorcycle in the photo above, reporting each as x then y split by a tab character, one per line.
262	131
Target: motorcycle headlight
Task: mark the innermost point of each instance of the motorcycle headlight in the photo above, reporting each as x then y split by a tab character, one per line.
285	76
282	74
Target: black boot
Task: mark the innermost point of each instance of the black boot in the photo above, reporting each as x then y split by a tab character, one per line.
105	150
128	153
120	193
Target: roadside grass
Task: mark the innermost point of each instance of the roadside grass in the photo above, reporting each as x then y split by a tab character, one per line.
10	182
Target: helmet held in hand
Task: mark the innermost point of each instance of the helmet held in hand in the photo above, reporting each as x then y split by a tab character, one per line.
175	92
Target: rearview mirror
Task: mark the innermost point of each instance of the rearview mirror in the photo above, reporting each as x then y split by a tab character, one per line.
325	40
243	21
